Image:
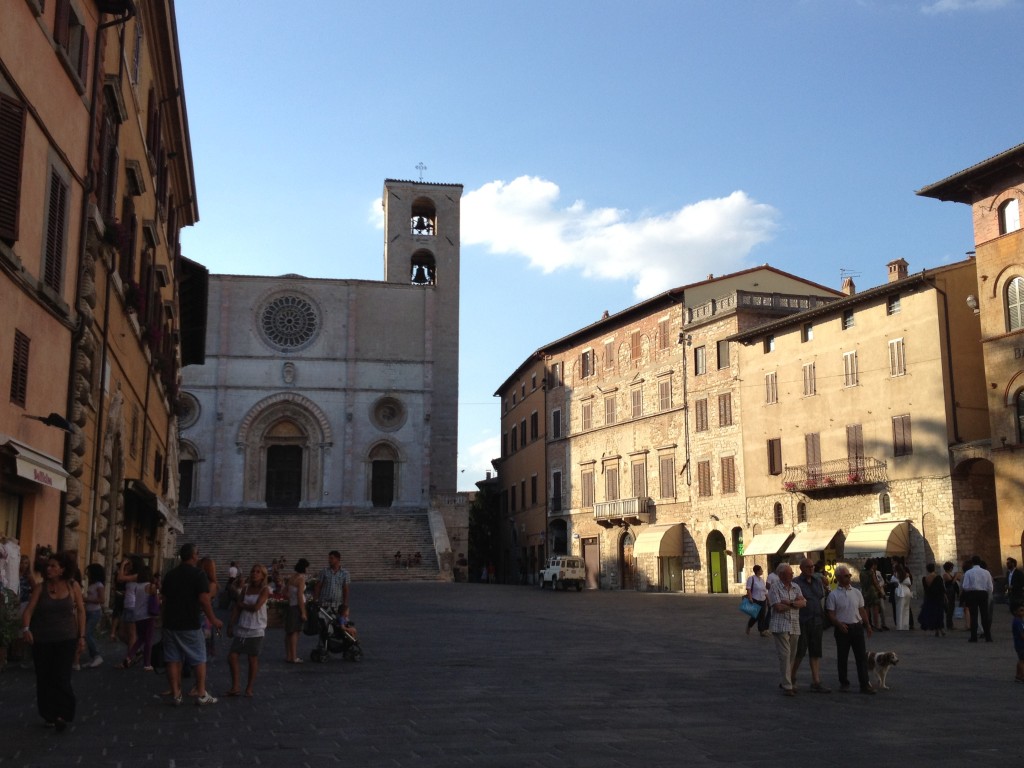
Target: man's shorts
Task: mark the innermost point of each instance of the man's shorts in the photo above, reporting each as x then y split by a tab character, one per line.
247	646
810	639
184	645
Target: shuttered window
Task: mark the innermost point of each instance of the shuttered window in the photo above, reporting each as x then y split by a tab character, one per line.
855	447
56	232
611	483
850	373
19	369
664	394
775	456
587	488
12	144
901	442
637	402
701	412
725	410
639	469
635	346
703	478
667	476
897	358
771	388
810	380
728	474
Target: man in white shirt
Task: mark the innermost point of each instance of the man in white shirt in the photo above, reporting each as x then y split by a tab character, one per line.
977	589
845	607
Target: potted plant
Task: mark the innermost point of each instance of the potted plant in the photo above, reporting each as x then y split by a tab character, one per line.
789	486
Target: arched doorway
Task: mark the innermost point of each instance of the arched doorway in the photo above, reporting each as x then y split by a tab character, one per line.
383	474
627	565
717	564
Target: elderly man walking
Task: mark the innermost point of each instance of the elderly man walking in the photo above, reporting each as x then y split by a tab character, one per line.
845	607
786	600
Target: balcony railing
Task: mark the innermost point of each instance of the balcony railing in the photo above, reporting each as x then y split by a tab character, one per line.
622	510
838	473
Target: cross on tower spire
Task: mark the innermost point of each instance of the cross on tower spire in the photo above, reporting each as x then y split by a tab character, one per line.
421	168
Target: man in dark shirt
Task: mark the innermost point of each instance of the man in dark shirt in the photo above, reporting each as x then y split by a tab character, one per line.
1014	584
812	623
186	592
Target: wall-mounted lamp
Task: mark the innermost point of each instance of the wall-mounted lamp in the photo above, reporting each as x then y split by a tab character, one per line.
972	302
53	420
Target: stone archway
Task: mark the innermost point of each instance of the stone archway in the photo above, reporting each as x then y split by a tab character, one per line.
290	424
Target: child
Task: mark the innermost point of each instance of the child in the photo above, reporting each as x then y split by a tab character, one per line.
1018	639
345	623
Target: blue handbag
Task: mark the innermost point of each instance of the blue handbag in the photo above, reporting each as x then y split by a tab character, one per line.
749	607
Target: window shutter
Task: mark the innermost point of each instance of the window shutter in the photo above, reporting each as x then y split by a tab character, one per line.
12	143
1015	303
667	476
55	236
62	18
19	369
82	65
728	474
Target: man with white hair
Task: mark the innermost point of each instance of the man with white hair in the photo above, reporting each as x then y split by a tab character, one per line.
786	600
845	607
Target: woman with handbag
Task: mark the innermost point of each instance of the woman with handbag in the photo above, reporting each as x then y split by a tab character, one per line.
757	592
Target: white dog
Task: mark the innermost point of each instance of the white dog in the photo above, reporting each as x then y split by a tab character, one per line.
880	663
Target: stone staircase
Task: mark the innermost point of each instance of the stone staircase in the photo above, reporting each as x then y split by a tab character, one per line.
367	539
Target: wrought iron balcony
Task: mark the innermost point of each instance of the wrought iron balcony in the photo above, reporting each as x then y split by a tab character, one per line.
633	511
838	473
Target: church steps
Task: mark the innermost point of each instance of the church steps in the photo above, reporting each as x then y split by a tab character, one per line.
367	539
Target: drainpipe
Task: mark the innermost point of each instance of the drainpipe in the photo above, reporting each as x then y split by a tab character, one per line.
87	188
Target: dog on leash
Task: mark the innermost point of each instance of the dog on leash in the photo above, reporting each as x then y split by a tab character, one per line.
880	663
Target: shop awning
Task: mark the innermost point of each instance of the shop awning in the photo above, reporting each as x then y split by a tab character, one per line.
37	467
810	541
878	540
168	514
766	544
660	540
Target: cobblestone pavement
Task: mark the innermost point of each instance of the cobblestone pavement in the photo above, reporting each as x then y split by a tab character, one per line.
478	675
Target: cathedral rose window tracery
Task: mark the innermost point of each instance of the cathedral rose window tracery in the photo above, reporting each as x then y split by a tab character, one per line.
289	322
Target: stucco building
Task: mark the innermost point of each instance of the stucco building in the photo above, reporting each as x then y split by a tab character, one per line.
993	189
855	415
642	438
97	180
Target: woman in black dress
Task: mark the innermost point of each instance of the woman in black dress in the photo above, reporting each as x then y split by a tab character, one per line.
933	609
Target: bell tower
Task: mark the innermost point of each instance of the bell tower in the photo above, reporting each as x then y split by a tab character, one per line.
421	250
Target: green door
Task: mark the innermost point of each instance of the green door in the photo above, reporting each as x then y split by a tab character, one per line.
716	563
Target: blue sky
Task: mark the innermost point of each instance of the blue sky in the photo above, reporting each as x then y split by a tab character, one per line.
608	150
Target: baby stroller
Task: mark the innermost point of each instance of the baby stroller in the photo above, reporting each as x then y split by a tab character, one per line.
332	637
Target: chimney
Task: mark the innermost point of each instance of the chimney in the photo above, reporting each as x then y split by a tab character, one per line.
897	270
848	287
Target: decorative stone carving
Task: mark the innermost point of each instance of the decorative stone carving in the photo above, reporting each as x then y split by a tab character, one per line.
289	322
388	414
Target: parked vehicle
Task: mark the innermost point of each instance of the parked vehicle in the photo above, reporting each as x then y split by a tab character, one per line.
564	571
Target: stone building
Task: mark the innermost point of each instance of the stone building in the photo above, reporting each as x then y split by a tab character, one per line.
855	416
333	395
639	482
95	146
993	189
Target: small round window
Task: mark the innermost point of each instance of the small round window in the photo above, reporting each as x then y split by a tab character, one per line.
388	414
289	322
188	410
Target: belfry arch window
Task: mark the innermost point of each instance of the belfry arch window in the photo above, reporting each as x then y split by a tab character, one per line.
424	218
423	268
1015	304
1009	216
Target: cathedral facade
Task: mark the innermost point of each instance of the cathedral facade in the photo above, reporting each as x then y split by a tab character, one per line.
324	393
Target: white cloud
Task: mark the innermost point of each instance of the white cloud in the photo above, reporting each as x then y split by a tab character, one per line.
475	461
657	252
953	6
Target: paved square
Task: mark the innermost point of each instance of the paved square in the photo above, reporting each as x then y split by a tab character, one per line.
478	675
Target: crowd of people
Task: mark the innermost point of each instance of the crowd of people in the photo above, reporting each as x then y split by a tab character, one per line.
61	615
797	611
